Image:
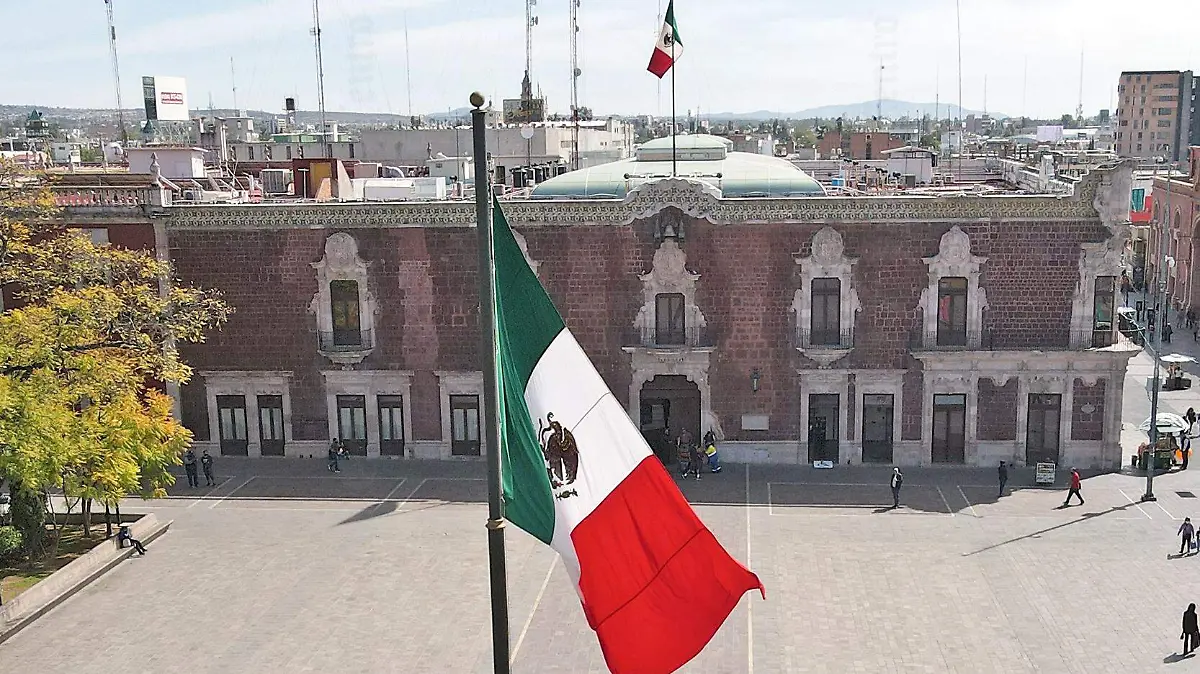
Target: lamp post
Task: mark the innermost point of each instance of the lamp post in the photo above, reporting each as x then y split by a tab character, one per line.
1162	317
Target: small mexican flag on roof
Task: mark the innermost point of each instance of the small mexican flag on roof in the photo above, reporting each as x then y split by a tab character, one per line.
654	582
669	47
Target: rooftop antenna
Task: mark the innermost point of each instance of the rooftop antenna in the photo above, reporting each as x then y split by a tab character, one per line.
233	79
530	22
1024	87
1079	110
112	47
879	100
985	94
958	117
408	69
316	32
575	73
937	92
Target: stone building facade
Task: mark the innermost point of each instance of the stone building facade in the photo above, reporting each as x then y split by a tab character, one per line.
906	330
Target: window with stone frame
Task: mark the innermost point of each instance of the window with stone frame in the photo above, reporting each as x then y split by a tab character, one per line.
345	310
952	311
826	321
670	323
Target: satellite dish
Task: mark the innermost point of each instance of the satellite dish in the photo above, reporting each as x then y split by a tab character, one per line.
527	132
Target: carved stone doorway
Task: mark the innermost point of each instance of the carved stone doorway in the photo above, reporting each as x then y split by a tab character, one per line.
669	404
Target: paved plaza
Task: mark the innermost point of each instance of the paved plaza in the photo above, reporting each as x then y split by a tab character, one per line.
286	568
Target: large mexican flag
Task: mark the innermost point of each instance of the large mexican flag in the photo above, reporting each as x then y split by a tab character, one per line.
654	582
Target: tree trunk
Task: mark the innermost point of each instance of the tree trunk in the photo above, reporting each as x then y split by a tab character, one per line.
87	517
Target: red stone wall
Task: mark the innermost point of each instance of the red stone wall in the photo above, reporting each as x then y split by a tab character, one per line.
424	281
997	410
1088	426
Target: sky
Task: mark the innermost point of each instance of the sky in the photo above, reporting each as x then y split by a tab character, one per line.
782	55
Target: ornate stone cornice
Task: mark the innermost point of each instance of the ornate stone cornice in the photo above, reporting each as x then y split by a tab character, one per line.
1100	189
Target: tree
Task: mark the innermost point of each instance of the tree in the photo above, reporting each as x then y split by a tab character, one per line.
93	327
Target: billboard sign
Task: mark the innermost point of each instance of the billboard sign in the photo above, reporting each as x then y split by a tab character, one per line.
165	99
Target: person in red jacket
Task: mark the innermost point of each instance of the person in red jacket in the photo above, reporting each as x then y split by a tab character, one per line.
1075	486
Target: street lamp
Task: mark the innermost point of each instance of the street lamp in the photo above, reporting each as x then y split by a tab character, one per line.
1162	316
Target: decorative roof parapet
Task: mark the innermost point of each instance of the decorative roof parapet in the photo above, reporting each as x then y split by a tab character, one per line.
1098	195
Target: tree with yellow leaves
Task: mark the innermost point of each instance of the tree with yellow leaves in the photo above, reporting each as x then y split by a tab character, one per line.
93	327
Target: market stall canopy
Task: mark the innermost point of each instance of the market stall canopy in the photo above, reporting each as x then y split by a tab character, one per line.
1177	358
1167	423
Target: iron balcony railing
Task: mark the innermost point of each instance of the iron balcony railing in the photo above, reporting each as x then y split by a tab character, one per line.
950	340
1011	338
344	341
827	339
690	337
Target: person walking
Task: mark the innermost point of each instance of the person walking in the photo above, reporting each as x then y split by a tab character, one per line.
897	482
710	450
206	463
1076	485
1003	474
189	465
1187	534
335	452
1166	333
1191	631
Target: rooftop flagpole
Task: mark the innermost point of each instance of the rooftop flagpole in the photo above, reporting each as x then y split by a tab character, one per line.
674	168
487	352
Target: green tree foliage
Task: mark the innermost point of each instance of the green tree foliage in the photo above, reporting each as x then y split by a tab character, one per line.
92	327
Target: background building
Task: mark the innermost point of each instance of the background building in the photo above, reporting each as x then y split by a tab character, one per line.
1155	114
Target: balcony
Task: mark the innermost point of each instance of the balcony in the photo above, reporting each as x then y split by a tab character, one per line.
345	347
823	346
690	338
992	339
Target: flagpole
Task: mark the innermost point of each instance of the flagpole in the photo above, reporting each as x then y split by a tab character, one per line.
487	329
674	170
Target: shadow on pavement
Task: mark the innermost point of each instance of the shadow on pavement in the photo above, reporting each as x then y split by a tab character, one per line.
1034	534
379	483
1176	657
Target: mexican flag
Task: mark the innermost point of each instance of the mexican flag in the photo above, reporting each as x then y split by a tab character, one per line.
669	47
654	582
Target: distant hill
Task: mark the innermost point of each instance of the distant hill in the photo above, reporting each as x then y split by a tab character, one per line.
892	109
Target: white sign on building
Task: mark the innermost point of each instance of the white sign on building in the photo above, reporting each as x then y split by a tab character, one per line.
165	98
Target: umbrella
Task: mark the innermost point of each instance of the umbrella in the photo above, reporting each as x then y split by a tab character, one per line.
1177	358
1167	423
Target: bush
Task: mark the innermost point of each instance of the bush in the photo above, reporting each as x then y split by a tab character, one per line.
10	542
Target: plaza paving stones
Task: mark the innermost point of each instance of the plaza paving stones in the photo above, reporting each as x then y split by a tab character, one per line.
285	568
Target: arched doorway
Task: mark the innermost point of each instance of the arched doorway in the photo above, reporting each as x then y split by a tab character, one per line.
669	404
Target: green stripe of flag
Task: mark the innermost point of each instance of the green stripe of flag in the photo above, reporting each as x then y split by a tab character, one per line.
671	20
526	324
